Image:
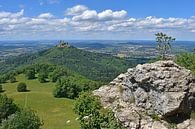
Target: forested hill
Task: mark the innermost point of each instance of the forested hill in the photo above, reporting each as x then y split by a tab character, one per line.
95	66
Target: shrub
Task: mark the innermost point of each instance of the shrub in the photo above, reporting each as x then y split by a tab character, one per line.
30	74
93	115
25	119
57	73
7	107
66	88
22	87
42	77
12	79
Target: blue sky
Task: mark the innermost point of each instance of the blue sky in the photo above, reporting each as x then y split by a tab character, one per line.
96	19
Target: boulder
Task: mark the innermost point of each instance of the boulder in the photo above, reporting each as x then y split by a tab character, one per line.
149	95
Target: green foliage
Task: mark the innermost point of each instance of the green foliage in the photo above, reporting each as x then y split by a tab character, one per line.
1	88
30	74
24	119
172	125
2	79
186	60
71	86
93	115
7	107
109	121
83	83
22	87
192	115
163	44
57	73
12	79
155	117
42	77
66	88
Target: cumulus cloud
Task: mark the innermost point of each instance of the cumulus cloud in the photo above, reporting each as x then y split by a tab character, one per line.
86	15
81	20
109	15
11	15
46	16
104	15
78	9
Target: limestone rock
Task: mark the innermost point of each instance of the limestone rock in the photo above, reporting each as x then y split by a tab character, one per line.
161	89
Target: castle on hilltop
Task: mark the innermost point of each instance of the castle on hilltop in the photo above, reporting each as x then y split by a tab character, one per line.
63	44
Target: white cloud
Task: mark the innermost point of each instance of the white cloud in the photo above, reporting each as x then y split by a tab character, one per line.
192	16
12	15
193	31
102	16
36	21
86	15
46	16
78	9
109	15
82	20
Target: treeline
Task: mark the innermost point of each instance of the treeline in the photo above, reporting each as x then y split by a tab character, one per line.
68	84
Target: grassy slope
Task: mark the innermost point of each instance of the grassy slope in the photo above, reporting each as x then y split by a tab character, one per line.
54	112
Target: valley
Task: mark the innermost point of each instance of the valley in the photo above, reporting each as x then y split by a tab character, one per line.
120	48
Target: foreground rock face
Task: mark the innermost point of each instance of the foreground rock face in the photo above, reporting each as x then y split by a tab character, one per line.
145	94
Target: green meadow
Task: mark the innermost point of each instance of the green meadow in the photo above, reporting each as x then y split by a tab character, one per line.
56	113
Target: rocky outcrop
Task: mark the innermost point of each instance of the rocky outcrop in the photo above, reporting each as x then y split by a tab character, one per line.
150	96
